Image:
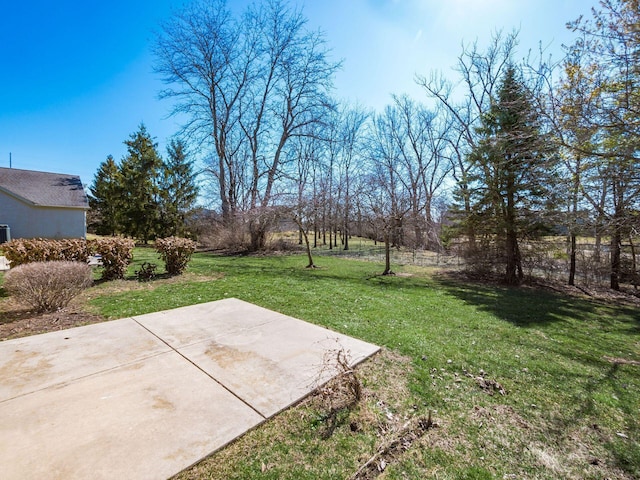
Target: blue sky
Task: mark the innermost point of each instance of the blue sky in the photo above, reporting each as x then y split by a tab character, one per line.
76	77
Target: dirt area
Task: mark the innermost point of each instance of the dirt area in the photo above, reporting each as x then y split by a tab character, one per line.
17	321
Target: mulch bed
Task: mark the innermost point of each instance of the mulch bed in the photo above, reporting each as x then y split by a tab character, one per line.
19	322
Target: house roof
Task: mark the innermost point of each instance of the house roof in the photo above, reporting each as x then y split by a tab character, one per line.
44	189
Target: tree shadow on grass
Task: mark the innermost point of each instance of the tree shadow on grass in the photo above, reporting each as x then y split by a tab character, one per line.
588	415
578	335
521	306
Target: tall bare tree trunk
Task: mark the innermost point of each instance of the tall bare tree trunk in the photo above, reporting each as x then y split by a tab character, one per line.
616	239
572	259
387	254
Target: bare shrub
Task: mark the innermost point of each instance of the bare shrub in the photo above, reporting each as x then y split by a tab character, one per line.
543	259
147	272
218	237
176	253
48	286
281	244
115	254
483	258
342	392
592	270
28	250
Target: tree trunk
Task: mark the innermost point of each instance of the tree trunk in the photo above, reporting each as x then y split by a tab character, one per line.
616	235
258	234
512	264
324	233
346	232
387	255
469	227
572	260
224	200
574	214
634	265
306	241
616	239
597	248
513	273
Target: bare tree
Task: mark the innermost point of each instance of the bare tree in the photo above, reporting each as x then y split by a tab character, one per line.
198	56
465	103
386	197
420	136
245	86
610	41
568	105
351	121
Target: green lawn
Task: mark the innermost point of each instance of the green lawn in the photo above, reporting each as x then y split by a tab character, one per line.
569	411
568	366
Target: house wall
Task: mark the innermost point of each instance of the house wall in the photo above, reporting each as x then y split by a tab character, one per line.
27	221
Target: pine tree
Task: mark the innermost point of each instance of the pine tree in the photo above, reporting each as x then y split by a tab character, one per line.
105	199
179	190
141	172
511	170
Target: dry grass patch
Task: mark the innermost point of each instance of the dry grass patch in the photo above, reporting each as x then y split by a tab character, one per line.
323	437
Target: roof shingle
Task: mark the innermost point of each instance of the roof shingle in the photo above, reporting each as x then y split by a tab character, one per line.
44	189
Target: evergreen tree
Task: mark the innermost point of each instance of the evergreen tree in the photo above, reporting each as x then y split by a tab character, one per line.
141	172
105	198
511	170
179	190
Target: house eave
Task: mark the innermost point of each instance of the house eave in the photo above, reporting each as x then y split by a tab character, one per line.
34	204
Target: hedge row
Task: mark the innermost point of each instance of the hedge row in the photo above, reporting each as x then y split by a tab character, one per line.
28	250
115	253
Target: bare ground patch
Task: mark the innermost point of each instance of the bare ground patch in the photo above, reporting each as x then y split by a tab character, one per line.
16	320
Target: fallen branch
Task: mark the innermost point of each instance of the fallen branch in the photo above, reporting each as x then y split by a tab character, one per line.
385	454
622	361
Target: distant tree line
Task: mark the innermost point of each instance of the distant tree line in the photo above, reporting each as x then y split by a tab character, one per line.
144	196
506	154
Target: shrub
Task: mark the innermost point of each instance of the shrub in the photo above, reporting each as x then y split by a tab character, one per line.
147	271
115	253
29	250
47	286
74	249
176	253
214	235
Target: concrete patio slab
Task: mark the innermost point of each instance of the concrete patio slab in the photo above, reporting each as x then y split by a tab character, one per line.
145	420
146	397
32	363
184	326
275	365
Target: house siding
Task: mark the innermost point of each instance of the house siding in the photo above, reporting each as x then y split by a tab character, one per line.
28	221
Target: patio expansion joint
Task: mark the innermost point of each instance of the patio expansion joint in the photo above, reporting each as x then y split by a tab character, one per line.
88	375
202	370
